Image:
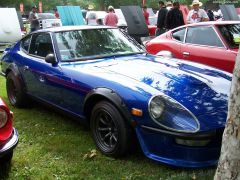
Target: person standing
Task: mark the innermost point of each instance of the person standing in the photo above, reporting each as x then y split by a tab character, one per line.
56	14
210	15
161	18
169	5
196	14
146	14
33	19
111	18
174	17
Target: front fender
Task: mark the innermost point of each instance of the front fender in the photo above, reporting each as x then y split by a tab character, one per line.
101	93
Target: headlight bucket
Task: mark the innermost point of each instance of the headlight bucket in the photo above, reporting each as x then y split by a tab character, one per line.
171	115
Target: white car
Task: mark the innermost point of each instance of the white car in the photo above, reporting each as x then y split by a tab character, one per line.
47	20
92	16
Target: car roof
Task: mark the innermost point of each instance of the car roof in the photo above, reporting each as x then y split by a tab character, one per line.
72	28
208	23
214	23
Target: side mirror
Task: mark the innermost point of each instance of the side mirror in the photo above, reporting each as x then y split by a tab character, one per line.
50	58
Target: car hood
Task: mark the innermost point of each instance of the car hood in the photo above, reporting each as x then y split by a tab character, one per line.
201	89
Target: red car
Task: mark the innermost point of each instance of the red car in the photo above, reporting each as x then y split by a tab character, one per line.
8	134
214	43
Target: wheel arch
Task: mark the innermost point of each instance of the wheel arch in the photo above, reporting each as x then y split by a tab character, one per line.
102	93
14	69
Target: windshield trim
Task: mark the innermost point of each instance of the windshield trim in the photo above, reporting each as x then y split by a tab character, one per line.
101	56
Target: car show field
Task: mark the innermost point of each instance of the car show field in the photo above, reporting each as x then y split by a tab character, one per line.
93	91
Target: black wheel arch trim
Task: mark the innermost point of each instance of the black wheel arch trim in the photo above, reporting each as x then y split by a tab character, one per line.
14	68
110	95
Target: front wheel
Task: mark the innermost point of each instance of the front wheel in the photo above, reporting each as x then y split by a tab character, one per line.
109	129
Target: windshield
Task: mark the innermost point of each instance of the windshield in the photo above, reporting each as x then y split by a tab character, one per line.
94	43
229	32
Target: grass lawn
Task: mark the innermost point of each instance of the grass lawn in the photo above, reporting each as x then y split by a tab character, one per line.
54	146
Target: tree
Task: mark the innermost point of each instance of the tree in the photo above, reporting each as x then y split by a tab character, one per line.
229	162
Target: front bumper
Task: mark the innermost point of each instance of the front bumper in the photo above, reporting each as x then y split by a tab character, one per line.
163	146
10	144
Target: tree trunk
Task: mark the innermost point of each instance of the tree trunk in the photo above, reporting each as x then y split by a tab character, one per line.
229	162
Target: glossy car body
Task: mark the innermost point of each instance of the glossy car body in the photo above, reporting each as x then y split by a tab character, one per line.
176	109
8	134
209	43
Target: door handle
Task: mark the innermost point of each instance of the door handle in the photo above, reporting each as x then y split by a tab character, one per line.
186	53
25	68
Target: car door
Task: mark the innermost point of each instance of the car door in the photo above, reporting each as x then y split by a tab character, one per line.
177	41
36	71
203	45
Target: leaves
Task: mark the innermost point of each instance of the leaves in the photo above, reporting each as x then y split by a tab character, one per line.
90	155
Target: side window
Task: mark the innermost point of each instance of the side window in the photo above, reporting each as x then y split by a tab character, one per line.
41	45
203	36
179	34
25	43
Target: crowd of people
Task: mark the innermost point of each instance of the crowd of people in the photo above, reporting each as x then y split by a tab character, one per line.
169	16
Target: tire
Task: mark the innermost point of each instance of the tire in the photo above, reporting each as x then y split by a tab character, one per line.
15	91
110	131
6	159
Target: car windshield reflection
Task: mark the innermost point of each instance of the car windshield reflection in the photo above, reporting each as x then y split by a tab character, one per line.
94	43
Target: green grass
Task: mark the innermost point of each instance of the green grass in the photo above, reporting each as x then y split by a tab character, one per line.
54	146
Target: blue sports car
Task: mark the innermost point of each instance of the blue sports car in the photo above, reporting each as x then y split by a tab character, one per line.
175	109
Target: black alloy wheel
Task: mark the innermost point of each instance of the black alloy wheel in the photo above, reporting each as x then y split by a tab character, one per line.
109	129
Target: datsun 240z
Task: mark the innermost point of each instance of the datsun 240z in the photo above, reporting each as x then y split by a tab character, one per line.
176	109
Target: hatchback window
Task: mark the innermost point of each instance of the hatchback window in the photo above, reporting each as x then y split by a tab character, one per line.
41	45
179	34
229	32
25	43
203	36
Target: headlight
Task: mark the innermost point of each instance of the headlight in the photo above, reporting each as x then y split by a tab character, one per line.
3	117
172	115
156	107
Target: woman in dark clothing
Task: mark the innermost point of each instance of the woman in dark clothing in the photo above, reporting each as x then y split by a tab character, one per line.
174	17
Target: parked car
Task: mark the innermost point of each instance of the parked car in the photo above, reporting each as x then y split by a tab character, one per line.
92	16
47	20
212	43
8	134
176	109
10	30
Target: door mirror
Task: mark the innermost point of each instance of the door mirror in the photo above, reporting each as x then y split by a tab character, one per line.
50	58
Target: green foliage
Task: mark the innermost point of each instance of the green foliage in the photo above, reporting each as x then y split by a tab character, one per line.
54	146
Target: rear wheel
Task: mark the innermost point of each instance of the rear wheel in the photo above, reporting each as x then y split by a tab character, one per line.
15	91
110	131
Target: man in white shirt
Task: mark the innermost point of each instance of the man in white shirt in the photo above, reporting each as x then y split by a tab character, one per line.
196	14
